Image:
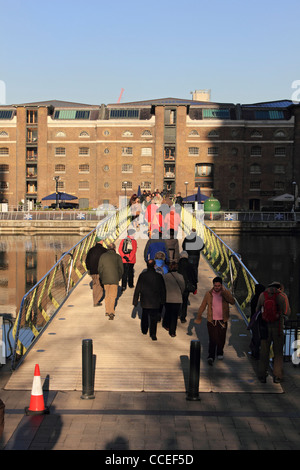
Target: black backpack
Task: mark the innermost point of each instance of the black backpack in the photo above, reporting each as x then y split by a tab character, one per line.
127	246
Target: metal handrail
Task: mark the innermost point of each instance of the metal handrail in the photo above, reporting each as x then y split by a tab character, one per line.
41	303
92	215
225	262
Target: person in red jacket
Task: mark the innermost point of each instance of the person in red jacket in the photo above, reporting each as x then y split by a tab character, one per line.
127	251
172	220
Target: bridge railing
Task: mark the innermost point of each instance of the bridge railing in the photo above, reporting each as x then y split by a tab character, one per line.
42	301
225	262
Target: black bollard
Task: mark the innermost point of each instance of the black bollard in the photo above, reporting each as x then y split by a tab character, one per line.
87	369
193	391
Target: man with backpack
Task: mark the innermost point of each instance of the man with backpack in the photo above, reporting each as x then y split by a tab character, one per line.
127	251
274	306
92	261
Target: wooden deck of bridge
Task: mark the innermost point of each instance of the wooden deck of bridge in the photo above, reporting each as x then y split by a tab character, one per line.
127	360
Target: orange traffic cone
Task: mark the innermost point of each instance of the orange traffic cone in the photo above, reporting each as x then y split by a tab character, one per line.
36	405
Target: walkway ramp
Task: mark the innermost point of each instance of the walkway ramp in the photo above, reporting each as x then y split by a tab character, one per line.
127	360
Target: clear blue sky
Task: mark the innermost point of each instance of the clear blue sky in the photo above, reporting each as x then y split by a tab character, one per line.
86	51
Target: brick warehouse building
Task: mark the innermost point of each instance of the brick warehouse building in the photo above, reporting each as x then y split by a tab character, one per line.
242	154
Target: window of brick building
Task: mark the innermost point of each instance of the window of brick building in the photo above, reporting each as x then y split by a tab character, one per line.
126	184
255	184
60	168
127	134
146	133
146	152
84	151
127	150
4	168
146	168
279	169
193	150
60	151
4	151
279	185
279	134
256	151
213	133
256	134
194	133
280	152
127	168
83	185
85	168
213	151
255	169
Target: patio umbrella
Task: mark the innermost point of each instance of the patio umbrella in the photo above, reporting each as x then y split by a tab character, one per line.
60	197
283	197
196	197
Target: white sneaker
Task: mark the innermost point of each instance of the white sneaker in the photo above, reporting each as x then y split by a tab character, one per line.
220	357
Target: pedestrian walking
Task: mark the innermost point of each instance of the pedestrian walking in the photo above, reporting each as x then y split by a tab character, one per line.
172	219
172	245
186	269
160	265
110	270
179	199
151	216
91	262
175	287
274	307
127	250
216	301
193	245
150	290
255	323
155	244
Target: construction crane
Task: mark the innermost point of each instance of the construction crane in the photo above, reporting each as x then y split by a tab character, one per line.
122	89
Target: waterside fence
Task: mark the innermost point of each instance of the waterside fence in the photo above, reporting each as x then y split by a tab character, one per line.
40	304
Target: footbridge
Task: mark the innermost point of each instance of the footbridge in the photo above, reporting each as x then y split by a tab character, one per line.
57	314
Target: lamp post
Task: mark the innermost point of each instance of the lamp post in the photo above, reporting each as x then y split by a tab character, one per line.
56	191
295	194
186	185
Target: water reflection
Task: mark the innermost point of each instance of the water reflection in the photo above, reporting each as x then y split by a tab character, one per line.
24	260
271	258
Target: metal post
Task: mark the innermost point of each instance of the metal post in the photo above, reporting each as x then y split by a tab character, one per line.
193	391
87	369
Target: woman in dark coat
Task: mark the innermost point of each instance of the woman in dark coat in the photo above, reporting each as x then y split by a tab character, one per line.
150	290
186	269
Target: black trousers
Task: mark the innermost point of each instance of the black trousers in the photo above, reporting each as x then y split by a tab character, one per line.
170	317
194	260
149	320
185	299
127	275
